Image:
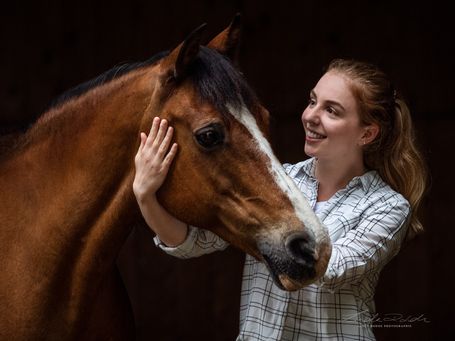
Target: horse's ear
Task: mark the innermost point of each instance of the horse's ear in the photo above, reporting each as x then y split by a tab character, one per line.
227	42
178	60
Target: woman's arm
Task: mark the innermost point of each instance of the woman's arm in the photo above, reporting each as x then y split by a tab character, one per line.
370	246
152	163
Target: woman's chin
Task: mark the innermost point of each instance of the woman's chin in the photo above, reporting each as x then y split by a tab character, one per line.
311	152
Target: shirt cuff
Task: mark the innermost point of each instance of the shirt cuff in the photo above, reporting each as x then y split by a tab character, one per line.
183	250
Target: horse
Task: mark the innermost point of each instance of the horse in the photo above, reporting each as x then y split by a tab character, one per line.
67	206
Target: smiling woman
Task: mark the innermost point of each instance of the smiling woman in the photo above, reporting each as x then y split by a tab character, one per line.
332	124
356	132
334	133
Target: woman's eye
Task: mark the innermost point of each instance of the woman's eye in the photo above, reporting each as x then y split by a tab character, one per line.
330	110
311	101
210	137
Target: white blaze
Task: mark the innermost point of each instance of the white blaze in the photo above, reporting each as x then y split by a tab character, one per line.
300	204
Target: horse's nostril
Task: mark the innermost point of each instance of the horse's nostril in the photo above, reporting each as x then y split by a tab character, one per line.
302	248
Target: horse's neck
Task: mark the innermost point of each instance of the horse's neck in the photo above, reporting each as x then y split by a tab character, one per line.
69	195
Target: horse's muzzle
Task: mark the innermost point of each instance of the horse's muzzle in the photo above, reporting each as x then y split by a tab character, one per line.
292	265
302	249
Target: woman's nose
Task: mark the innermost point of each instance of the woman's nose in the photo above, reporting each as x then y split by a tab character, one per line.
310	115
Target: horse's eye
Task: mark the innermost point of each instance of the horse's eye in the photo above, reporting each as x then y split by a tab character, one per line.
210	137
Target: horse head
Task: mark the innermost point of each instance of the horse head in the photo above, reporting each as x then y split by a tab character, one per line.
225	177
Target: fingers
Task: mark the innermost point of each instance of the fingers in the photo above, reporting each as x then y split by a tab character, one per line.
165	143
141	146
161	133
170	157
157	126
157	133
154	157
159	139
154	129
143	139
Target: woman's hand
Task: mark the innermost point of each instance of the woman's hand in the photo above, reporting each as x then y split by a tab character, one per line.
152	164
153	159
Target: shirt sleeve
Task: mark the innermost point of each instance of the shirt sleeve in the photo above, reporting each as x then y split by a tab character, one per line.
370	246
198	242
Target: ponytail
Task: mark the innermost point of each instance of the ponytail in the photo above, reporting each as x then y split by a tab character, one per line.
402	165
393	154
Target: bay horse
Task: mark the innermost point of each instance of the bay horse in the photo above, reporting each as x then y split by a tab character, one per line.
67	206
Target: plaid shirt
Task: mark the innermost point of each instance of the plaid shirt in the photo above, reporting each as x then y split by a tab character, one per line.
366	223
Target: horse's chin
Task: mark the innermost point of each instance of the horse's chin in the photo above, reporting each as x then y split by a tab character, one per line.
289	284
284	281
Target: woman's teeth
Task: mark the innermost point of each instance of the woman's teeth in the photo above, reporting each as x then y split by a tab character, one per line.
314	135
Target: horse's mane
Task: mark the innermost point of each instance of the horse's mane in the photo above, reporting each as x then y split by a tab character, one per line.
107	76
215	79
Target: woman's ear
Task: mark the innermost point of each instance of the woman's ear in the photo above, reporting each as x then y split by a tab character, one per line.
371	131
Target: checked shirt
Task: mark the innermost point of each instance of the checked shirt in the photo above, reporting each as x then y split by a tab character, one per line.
367	224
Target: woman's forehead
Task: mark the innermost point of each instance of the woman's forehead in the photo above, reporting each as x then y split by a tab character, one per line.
334	86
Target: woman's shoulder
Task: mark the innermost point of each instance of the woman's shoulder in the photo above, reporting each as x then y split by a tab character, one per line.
380	193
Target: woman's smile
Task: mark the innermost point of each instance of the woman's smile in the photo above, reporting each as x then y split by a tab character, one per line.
312	136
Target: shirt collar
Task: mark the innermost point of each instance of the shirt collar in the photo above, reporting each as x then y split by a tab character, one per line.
308	168
365	180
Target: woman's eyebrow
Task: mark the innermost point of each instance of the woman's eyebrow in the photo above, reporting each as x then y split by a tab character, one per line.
329	102
335	104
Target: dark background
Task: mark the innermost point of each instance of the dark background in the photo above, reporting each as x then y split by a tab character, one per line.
50	46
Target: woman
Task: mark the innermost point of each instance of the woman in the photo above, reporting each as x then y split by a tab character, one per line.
364	179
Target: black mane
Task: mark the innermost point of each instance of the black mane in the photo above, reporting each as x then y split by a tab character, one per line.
214	77
105	77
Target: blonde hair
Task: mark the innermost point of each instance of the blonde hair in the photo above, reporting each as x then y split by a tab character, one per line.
393	153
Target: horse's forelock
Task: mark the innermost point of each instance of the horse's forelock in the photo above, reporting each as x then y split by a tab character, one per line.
219	83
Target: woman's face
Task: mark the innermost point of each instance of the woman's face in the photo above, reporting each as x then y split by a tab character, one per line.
331	121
